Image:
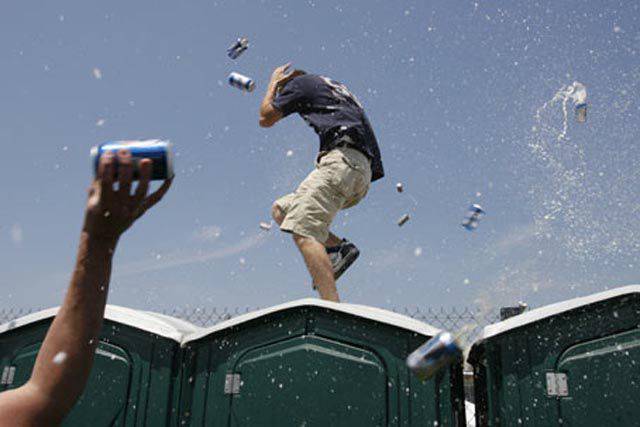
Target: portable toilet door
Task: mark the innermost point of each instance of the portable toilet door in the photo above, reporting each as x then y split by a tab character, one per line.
339	371
602	383
315	363
576	363
135	365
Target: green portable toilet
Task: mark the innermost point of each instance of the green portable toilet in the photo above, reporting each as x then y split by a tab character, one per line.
573	363
315	363
134	374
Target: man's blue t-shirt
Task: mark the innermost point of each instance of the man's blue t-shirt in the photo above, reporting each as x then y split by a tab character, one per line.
333	112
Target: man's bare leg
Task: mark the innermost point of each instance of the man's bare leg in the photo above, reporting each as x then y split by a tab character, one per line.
319	266
316	258
278	217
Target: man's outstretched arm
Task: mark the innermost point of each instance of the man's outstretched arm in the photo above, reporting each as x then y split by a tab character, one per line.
270	115
66	356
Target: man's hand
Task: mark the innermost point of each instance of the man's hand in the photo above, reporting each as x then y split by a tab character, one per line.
54	387
281	75
110	212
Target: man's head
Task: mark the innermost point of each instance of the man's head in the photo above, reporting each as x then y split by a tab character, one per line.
282	75
291	77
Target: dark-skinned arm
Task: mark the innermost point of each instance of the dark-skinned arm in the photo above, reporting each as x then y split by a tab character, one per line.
64	361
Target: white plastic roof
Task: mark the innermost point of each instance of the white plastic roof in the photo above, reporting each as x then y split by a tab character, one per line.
159	324
551	310
372	313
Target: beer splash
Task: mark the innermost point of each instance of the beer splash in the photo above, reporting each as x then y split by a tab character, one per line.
575	92
584	198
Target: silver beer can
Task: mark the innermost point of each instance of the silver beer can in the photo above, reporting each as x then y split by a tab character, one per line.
403	220
581	112
241	82
237	48
434	355
472	218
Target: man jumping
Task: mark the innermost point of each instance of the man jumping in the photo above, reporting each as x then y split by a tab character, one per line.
348	161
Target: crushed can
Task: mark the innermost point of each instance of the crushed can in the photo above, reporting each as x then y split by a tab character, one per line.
472	218
434	355
238	48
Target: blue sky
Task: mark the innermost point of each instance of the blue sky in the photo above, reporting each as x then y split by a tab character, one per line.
451	88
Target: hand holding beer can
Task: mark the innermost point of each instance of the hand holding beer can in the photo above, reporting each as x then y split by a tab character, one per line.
158	151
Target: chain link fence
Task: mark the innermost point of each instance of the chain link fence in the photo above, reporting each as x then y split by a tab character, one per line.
7	314
451	318
447	318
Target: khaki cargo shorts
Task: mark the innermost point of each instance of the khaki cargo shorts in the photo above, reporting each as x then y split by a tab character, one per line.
340	180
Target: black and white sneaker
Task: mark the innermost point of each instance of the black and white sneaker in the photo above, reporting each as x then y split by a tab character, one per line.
342	257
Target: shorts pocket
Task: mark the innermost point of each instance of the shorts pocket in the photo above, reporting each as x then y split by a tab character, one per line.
345	175
347	180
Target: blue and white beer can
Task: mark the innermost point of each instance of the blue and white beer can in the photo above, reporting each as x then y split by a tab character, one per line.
434	355
159	151
241	82
472	218
581	112
237	48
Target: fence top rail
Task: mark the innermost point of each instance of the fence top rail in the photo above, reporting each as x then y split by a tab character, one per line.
448	318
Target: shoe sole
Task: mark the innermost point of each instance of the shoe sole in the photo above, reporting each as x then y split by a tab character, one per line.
348	260
351	257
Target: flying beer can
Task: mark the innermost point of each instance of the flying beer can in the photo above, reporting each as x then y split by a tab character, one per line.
403	220
238	48
439	352
158	151
266	226
241	82
581	112
472	218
